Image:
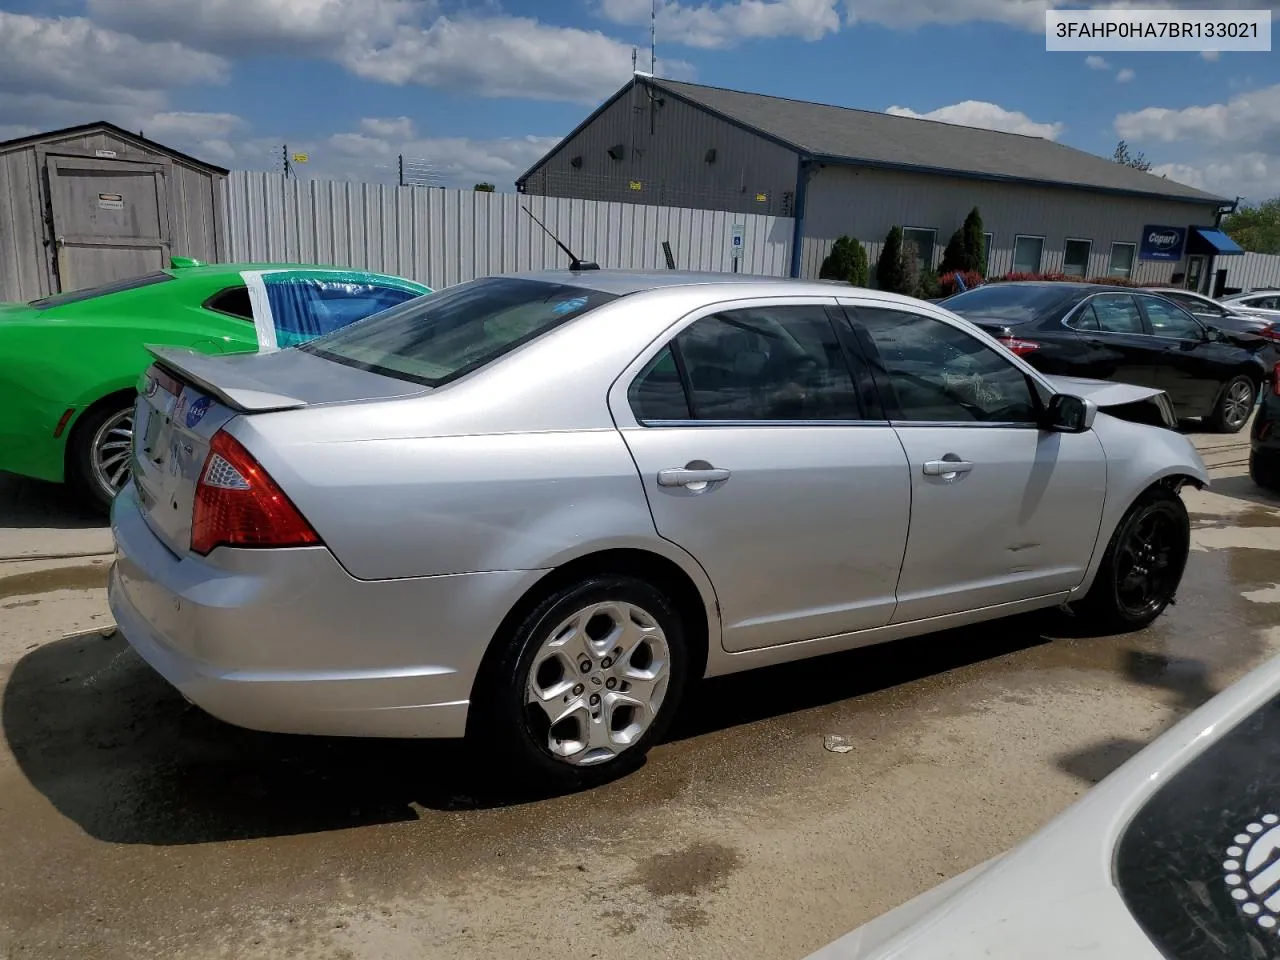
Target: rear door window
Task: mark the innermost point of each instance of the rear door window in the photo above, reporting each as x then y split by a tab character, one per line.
233	301
1117	313
435	339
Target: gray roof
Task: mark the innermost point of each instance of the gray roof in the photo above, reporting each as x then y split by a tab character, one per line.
880	139
623	282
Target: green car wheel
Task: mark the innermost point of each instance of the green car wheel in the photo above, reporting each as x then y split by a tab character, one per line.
100	449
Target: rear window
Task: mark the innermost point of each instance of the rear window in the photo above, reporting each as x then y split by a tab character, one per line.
1199	864
115	286
432	340
1009	303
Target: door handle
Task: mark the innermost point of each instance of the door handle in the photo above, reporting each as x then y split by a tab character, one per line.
685	477
946	468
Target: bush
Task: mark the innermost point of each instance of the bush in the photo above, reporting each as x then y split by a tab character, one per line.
929	287
847	261
889	268
1064	278
975	244
954	257
947	282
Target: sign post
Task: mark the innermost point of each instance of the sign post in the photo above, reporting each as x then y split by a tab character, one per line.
735	248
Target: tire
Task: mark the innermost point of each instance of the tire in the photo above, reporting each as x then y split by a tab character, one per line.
1264	475
1234	405
536	664
93	441
1111	607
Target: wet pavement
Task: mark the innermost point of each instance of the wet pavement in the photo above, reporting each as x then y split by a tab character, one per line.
132	825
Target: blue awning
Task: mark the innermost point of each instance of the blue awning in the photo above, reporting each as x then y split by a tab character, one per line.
1216	241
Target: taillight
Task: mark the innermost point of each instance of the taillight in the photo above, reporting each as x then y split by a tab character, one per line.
237	504
1019	346
1275	380
1271	332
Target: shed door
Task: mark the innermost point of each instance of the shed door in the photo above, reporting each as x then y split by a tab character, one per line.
110	220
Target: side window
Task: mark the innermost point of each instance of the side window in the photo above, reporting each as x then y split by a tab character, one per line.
1200	305
658	393
233	300
1117	313
939	373
1084	318
765	363
1168	320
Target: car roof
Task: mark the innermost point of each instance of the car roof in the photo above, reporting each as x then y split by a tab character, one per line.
624	282
224	269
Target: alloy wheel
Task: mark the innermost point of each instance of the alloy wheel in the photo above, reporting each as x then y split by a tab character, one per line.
109	452
1237	404
1147	565
597	682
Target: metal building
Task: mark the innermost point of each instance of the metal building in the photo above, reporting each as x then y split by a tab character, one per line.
1046	207
90	204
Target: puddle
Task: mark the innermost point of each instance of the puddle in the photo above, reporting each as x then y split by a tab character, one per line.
1252	518
59	578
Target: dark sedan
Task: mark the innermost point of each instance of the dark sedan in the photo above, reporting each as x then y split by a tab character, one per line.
1264	439
1130	336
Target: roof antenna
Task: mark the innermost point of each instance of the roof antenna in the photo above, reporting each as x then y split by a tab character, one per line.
574	262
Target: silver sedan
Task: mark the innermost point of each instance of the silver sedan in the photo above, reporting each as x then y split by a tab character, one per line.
534	510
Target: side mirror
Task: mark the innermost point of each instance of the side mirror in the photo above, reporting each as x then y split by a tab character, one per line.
1068	414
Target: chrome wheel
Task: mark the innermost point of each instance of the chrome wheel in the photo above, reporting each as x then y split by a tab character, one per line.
597	682
109	452
1237	403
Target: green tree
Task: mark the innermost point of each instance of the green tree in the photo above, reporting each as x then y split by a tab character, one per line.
975	243
483	188
1138	160
954	255
847	261
1256	228
911	271
889	274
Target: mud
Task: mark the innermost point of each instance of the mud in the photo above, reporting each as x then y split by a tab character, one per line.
133	825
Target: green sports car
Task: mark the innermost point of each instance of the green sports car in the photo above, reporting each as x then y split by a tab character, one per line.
70	363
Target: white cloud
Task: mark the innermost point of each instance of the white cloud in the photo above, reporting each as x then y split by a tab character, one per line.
1095	62
499	57
72	59
1247	119
1253	176
712	25
979	113
1211	55
238	26
401	127
1125	75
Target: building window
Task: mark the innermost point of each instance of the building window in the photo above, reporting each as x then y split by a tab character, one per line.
1075	257
988	241
924	238
1122	260
1027	252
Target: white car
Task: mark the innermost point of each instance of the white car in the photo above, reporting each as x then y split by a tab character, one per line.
1261	302
1174	855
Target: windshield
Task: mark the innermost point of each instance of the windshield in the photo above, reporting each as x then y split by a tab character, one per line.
117	286
435	339
1011	303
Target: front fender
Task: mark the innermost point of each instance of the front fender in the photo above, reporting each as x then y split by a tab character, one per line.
1138	457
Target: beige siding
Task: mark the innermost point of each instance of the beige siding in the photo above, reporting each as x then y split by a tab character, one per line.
665	148
25	242
868	203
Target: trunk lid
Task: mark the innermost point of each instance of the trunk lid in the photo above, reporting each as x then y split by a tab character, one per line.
186	397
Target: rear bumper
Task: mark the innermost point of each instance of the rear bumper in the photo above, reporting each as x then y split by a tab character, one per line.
287	641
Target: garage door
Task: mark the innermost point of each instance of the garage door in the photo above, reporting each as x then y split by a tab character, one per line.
110	220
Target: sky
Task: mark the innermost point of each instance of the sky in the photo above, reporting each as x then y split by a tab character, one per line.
478	90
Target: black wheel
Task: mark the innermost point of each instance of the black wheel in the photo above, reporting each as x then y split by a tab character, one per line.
585	684
99	452
1142	567
1235	404
1264	474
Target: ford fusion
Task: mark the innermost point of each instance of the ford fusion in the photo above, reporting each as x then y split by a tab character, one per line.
534	510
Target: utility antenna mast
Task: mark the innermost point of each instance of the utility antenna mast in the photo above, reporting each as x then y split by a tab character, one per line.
653	38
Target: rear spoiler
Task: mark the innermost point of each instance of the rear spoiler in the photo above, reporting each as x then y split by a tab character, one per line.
225	379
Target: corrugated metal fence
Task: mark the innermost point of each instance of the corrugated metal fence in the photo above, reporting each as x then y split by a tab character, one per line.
1252	271
441	237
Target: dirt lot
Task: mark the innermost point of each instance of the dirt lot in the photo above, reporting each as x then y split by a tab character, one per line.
133	826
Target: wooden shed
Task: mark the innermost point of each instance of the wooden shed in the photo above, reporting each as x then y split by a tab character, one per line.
90	204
